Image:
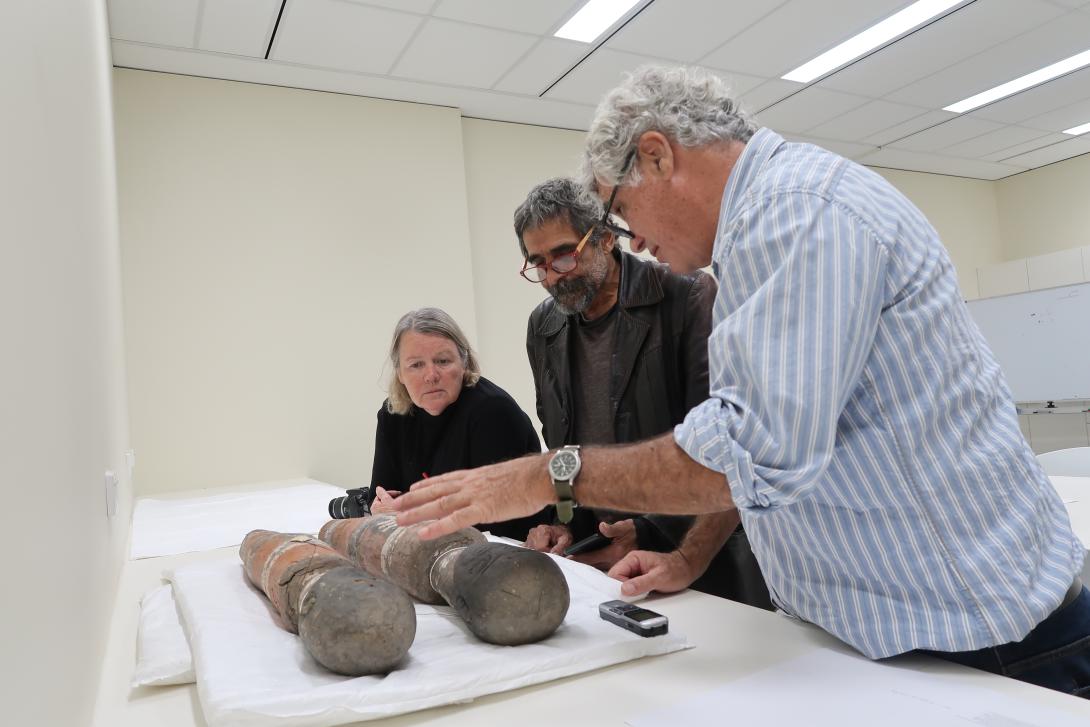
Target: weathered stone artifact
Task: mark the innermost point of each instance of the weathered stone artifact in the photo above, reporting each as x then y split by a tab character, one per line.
349	621
506	595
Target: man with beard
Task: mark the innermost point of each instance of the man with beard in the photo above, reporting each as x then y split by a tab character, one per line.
619	353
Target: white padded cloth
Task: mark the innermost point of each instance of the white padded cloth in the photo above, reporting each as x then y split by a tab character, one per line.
252	672
172	526
162	649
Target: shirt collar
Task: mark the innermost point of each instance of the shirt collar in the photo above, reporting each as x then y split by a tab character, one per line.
759	149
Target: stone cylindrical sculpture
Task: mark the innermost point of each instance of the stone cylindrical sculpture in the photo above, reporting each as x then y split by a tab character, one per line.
506	595
349	621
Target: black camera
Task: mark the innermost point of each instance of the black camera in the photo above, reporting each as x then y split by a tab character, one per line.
356	503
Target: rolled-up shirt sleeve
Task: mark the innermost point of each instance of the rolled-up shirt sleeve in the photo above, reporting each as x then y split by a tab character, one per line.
800	293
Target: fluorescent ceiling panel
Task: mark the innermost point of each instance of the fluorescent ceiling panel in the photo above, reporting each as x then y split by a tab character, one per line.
1076	130
1059	68
593	18
897	24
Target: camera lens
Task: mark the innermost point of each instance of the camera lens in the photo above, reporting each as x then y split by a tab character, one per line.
336	508
355	504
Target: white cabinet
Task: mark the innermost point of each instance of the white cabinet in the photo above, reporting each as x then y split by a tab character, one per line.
1055	269
1003	278
1058	431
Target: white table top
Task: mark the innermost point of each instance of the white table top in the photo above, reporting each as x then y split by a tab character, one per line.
732	641
1075	492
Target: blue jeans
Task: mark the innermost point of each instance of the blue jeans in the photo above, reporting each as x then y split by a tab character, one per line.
1055	655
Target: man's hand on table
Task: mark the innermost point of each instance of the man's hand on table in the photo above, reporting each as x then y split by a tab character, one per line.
644	570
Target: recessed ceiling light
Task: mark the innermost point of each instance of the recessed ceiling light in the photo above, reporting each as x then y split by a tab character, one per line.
915	14
1076	130
1036	78
593	18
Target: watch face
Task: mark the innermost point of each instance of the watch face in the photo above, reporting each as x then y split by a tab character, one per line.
563	465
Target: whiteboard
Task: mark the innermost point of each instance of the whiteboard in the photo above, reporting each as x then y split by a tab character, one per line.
1041	339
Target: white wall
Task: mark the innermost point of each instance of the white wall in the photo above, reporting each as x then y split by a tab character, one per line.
271	238
964	213
503	162
1045	210
62	417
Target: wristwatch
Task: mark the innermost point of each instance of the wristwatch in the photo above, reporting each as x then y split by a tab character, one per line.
564	465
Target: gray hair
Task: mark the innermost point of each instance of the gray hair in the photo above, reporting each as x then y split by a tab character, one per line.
432	322
688	105
558	198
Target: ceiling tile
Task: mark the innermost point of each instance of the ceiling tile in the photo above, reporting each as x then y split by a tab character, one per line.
420	7
1076	114
946	134
596	75
843	148
795	32
540	17
701	26
1074	146
868	119
1045	44
549	60
936	164
970	29
1034	102
907	128
1004	137
738	84
242	27
808	108
767	94
342	35
1032	145
164	22
483	55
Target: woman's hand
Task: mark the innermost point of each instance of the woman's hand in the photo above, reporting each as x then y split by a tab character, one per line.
384	500
549	538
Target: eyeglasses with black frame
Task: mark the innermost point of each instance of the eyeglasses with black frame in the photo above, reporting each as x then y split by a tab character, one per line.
607	215
566	262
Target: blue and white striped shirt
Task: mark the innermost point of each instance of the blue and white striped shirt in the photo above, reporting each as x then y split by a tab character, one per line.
863	425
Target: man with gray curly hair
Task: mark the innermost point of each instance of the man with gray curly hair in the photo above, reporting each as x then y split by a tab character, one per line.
856	417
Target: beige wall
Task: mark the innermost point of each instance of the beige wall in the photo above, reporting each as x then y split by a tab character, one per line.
62	417
963	212
1045	209
270	240
503	162
271	237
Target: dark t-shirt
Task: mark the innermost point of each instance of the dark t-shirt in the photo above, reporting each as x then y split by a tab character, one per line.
592	346
483	426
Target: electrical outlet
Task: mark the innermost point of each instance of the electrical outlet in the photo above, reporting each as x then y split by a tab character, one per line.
111	494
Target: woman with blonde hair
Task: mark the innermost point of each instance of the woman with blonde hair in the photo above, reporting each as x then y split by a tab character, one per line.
441	415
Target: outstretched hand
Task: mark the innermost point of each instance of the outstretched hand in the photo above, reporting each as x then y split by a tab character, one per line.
457	500
644	570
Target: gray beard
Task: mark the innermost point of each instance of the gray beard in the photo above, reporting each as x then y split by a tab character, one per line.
573	296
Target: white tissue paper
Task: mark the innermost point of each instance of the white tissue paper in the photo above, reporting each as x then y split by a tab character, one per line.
252	672
163	655
169	527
